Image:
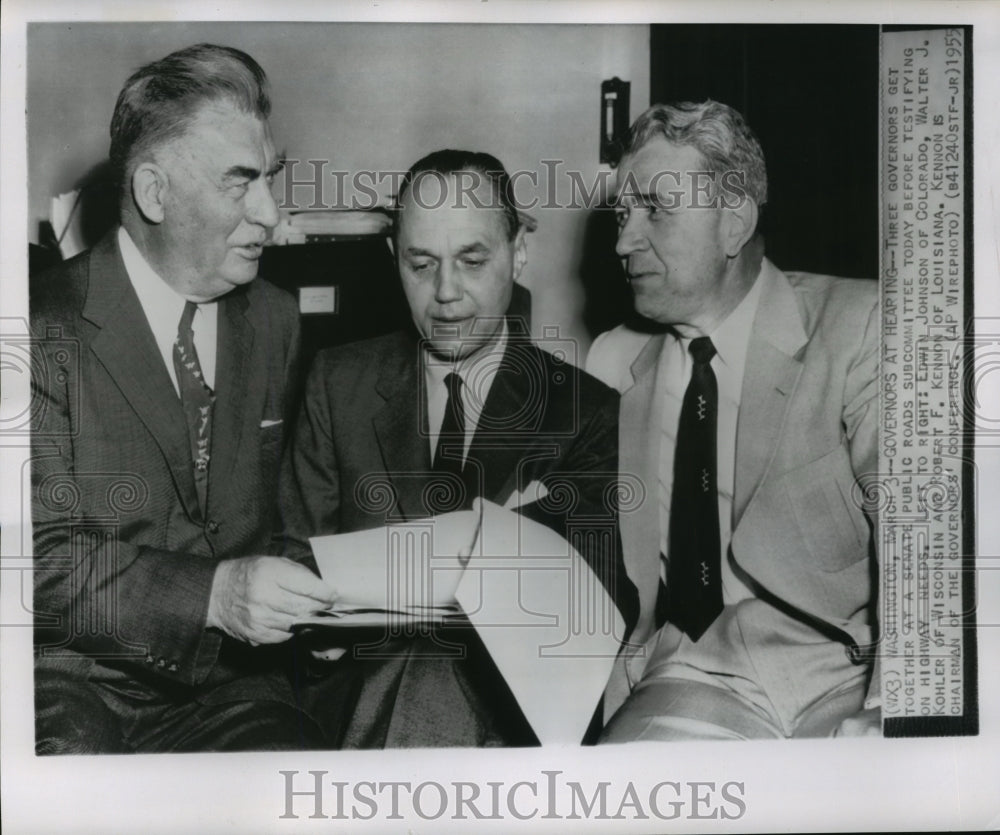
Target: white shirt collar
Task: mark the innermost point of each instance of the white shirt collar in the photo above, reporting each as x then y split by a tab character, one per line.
163	307
731	337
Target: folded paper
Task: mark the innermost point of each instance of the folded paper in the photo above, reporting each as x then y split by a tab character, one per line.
541	612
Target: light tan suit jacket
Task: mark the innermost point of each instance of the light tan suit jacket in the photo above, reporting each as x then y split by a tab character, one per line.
806	435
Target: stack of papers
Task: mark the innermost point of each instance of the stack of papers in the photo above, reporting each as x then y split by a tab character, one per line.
303	226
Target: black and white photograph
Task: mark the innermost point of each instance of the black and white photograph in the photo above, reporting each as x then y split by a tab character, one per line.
474	415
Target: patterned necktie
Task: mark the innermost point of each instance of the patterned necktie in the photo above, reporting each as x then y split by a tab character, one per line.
197	399
452	429
694	584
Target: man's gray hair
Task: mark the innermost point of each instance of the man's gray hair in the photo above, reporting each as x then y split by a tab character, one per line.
160	100
717	131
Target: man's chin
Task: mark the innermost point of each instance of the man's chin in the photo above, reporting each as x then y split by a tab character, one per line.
651	307
453	350
242	274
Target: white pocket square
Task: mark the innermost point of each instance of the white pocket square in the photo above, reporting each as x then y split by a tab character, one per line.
264	424
534	492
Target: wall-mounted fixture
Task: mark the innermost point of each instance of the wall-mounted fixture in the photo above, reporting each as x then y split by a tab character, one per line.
614	119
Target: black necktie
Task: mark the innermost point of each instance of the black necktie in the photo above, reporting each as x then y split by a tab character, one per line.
452	434
197	399
694	585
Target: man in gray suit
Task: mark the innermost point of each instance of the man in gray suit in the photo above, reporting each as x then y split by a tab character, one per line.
163	387
422	421
750	411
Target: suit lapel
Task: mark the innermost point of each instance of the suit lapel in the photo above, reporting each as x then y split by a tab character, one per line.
405	452
639	442
126	348
772	372
237	391
497	452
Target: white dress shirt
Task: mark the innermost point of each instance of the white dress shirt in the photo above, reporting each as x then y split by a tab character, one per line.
164	306
477	372
731	339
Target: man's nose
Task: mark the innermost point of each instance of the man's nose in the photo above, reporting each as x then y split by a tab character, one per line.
261	206
630	236
447	286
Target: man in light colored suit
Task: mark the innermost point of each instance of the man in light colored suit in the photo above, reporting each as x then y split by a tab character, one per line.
164	379
749	411
420	422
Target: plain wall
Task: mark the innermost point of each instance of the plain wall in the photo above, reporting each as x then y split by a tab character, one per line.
369	97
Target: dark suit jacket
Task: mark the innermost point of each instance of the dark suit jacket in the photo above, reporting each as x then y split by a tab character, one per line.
361	458
124	556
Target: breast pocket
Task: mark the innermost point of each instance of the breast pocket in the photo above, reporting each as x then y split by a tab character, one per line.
269	442
821	497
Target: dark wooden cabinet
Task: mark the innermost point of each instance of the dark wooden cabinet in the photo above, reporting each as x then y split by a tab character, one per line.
369	298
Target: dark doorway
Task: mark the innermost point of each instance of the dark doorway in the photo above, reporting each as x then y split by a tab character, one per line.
810	92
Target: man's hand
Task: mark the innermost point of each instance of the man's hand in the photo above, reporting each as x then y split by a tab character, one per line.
257	599
863	723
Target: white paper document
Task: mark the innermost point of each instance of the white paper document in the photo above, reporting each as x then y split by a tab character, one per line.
550	626
411	568
543	615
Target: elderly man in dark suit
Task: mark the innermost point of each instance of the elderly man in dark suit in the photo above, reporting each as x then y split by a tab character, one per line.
163	386
750	410
465	405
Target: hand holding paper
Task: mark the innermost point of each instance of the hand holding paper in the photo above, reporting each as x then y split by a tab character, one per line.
259	599
410	569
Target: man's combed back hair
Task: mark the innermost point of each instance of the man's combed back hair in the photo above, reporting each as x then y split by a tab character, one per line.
477	164
160	100
717	131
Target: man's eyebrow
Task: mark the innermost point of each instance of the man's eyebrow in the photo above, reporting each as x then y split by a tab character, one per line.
643	198
241	172
248	172
475	248
419	252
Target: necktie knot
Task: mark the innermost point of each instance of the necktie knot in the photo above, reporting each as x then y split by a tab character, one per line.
187	317
702	350
453	382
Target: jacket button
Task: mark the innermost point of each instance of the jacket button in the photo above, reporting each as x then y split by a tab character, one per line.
161	663
150	659
173	667
212	526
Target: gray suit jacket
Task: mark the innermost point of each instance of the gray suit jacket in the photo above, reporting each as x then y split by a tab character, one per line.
361	458
124	556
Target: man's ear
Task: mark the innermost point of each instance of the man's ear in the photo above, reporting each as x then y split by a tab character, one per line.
149	191
740	223
520	252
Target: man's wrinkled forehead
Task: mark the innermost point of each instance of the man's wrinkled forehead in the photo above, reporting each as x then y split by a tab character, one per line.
658	168
672	177
459	199
222	125
465	189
